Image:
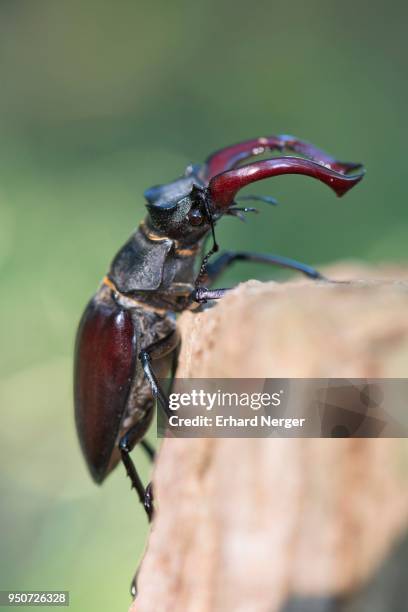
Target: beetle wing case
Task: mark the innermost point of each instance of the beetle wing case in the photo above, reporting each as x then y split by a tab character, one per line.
105	355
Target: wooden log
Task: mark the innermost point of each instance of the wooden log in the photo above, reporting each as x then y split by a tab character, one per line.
284	524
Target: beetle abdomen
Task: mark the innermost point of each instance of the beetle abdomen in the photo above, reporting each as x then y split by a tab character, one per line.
105	355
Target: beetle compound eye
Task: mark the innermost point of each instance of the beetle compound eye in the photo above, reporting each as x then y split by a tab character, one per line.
195	217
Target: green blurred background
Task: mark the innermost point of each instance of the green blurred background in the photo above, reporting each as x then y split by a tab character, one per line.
99	100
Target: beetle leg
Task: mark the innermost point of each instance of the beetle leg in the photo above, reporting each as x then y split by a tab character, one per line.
201	294
125	447
217	267
151	376
157	391
148	449
158	349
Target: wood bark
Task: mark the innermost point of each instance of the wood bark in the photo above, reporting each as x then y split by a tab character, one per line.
285	524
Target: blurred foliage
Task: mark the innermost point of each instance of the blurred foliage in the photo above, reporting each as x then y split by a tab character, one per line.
98	101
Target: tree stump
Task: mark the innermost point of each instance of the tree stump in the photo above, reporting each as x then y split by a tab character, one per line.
299	524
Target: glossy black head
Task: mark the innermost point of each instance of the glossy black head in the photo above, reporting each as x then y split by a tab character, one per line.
178	209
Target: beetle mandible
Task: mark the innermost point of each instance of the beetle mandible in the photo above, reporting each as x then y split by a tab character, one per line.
127	337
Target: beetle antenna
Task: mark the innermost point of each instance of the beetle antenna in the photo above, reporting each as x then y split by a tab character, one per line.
213	249
215	246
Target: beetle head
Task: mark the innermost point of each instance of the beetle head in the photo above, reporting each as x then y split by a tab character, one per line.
187	208
178	209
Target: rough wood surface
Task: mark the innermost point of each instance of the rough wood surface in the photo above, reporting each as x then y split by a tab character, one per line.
246	524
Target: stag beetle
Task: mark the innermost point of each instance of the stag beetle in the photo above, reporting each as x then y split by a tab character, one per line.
127	337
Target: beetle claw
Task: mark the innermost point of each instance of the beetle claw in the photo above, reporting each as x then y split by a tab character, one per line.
237	211
148	502
133	584
237	214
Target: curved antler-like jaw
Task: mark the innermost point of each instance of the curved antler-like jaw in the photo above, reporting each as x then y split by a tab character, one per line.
229	157
223	187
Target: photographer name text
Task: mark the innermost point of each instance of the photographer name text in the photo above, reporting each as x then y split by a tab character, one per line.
231	421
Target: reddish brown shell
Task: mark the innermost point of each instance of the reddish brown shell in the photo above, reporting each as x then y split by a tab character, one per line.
105	356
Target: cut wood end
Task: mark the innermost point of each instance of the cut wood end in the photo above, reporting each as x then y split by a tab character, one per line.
242	524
